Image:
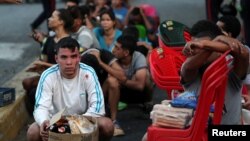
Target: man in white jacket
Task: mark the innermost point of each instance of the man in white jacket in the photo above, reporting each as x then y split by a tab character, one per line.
71	85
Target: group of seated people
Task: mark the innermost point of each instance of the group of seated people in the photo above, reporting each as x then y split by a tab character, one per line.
100	60
120	67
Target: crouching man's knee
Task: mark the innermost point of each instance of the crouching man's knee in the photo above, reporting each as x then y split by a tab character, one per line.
33	133
106	128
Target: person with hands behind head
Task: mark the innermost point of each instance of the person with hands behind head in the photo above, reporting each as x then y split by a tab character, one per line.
110	75
71	85
206	46
137	17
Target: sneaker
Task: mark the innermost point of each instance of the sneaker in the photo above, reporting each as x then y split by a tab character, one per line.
117	129
122	106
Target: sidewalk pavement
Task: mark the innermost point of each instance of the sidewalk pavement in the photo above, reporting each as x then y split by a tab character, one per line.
14	116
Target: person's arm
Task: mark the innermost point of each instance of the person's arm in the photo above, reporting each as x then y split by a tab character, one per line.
44	131
43	99
95	95
193	47
39	66
240	54
148	25
126	20
198	53
138	81
44	64
39	37
113	69
222	44
192	64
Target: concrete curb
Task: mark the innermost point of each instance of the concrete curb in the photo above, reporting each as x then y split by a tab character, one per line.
14	116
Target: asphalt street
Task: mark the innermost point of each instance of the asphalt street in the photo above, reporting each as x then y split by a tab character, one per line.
17	50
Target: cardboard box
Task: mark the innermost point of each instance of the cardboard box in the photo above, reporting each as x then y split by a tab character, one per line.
74	137
7	96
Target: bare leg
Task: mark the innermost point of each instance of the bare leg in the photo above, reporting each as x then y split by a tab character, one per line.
111	87
33	133
106	128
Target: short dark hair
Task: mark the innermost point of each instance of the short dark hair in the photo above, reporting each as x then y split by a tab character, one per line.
205	28
231	25
132	31
136	11
67	42
127	42
85	10
75	12
66	17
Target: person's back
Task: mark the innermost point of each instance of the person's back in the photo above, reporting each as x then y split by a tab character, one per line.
86	38
81	33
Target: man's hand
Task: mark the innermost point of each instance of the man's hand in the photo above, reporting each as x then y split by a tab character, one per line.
193	47
97	55
235	45
38	36
44	133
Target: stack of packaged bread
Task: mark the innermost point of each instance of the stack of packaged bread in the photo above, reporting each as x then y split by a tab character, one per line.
164	115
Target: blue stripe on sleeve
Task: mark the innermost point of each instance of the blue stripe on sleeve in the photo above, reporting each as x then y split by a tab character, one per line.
99	98
41	82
